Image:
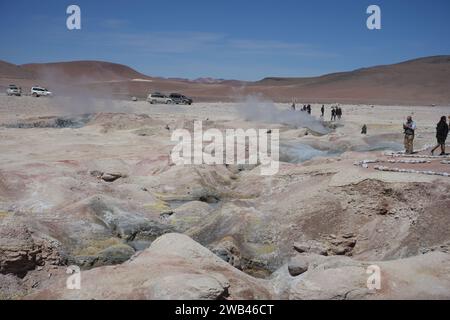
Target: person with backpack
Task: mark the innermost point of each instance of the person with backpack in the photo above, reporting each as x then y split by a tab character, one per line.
441	135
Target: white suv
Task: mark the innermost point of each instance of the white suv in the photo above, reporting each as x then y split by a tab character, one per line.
13	90
158	97
38	91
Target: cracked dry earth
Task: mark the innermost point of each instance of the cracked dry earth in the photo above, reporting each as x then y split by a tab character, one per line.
99	191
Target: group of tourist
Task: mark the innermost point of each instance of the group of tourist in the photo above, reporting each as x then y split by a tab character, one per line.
442	129
336	111
409	127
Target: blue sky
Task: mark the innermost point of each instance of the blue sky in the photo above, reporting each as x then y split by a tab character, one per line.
228	39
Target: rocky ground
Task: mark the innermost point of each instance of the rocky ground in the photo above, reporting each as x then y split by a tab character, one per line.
90	183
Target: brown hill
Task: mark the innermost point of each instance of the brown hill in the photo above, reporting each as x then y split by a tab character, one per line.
83	71
420	81
12	71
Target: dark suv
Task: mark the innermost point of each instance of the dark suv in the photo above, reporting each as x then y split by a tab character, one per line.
180	99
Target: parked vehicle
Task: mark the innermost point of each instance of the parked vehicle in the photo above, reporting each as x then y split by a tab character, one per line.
38	91
13	90
180	99
157	97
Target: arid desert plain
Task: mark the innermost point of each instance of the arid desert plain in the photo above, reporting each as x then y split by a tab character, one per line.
89	183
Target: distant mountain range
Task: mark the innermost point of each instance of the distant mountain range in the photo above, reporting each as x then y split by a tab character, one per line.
423	81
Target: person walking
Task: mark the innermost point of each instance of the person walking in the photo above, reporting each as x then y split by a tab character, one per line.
441	135
322	110
333	114
409	128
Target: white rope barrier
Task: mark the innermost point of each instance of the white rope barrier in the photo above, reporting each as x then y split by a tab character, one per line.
425	148
364	163
396	155
432	173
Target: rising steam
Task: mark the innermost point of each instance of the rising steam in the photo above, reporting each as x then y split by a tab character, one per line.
255	108
81	94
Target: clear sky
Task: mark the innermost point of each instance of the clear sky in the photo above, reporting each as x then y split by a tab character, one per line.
232	39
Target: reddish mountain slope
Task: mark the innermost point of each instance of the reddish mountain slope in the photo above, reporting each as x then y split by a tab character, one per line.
82	71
